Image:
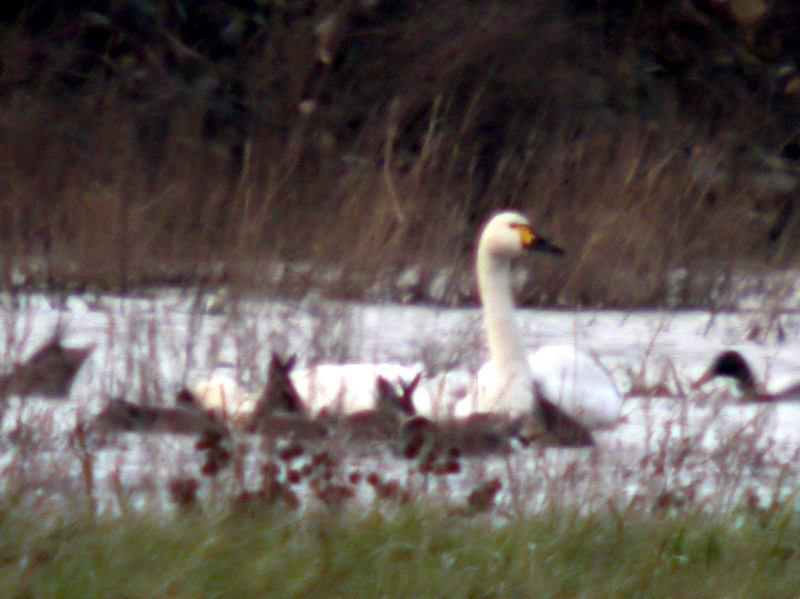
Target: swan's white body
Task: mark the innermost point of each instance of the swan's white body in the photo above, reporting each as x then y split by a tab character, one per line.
225	397
446	395
575	382
561	374
342	389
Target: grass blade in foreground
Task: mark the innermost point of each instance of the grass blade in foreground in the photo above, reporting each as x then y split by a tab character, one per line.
418	553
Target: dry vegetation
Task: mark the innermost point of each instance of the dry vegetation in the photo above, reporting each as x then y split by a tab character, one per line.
258	144
174	142
319	523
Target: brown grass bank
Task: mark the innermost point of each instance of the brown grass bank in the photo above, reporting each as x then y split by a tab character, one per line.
157	142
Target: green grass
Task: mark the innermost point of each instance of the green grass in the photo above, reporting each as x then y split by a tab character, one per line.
420	552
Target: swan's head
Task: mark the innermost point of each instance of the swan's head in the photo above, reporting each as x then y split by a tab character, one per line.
509	234
729	364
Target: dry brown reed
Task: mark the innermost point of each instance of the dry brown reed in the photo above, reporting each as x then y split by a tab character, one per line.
367	141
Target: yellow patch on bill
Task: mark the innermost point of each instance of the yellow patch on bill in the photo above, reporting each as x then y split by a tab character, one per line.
526	235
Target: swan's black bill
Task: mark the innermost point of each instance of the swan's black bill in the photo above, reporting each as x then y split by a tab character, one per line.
540	244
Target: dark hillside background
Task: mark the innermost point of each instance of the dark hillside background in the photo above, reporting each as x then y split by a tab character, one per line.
168	141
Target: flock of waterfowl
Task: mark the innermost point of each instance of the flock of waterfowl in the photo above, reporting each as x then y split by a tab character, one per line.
555	395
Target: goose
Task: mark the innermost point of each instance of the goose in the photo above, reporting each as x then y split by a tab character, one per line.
483	433
49	372
280	411
398	420
480	433
280	394
385	420
120	415
226	399
564	385
732	364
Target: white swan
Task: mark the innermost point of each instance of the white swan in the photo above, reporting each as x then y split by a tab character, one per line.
225	397
560	374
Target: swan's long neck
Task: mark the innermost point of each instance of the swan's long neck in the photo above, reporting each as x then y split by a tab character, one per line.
502	332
